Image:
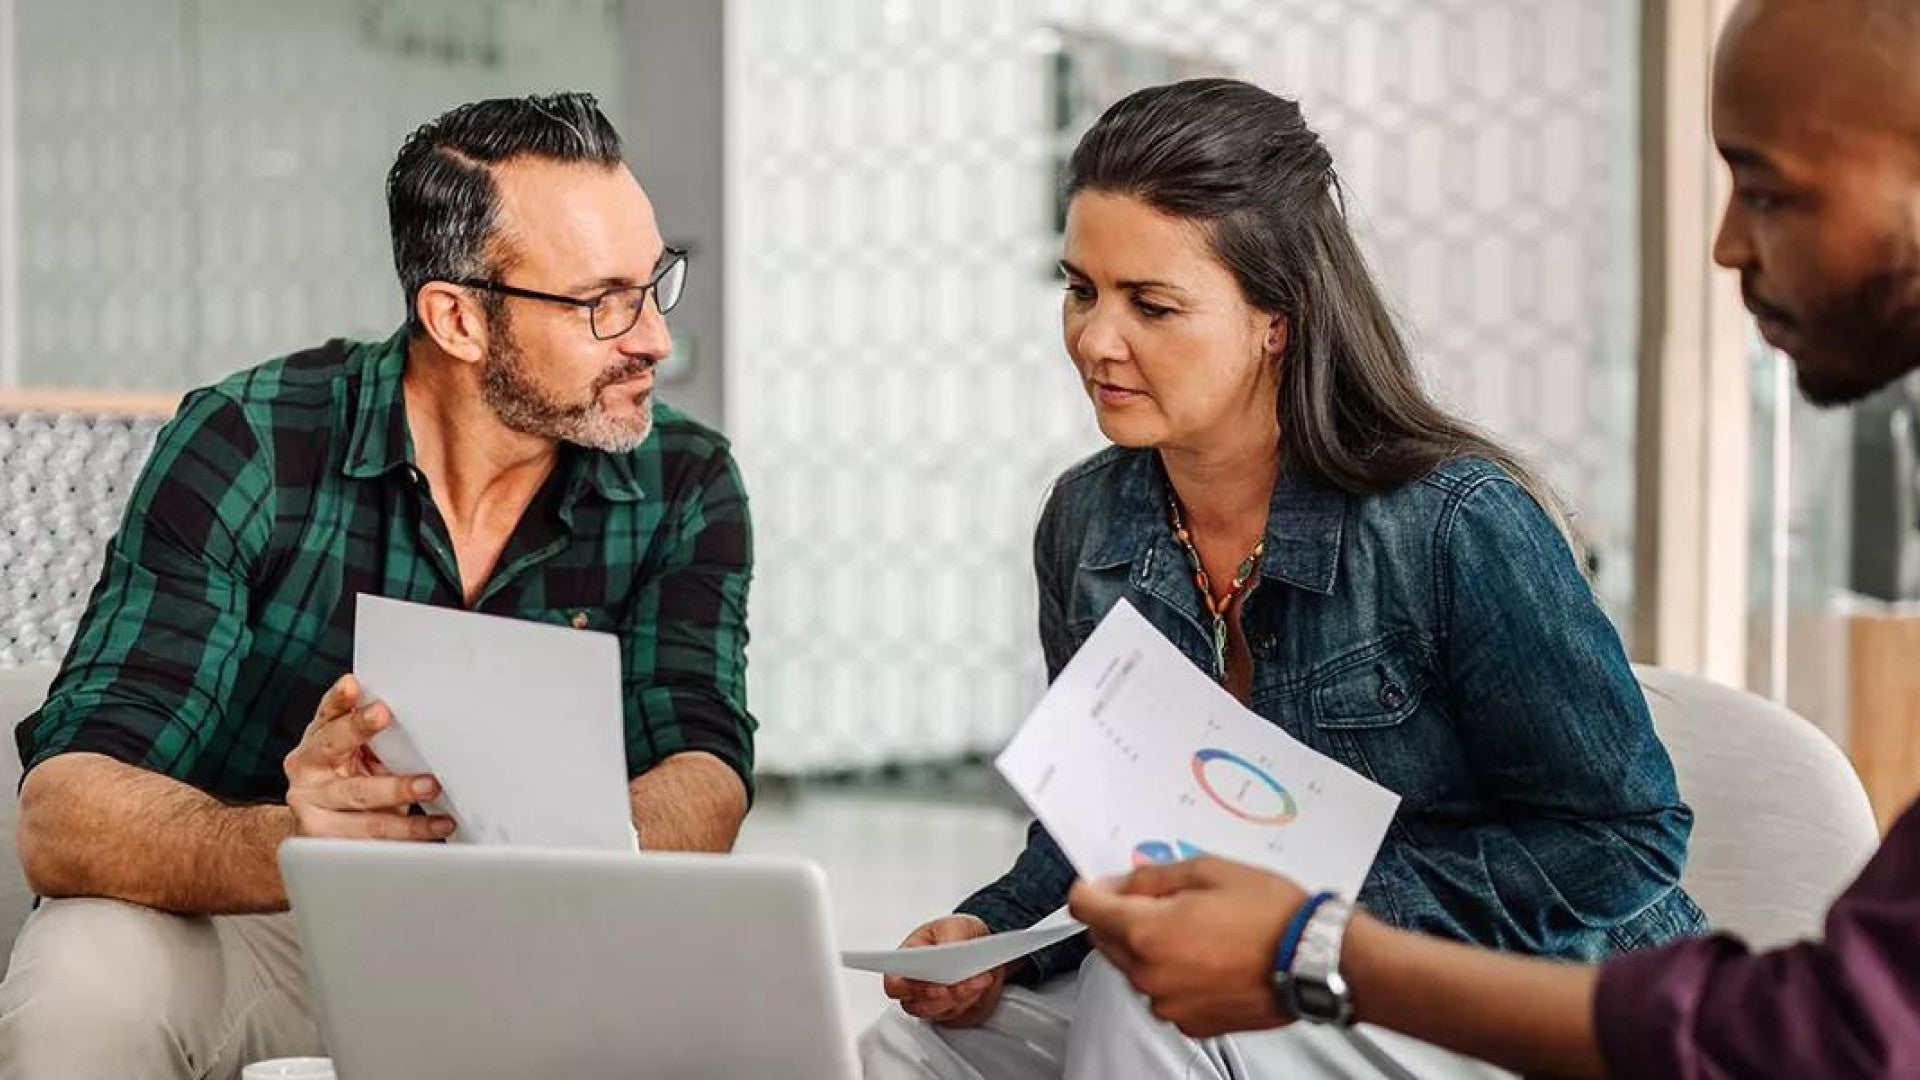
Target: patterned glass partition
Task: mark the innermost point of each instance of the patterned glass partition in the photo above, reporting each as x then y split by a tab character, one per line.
202	182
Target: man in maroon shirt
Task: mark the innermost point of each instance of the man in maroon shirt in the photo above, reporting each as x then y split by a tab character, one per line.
1817	112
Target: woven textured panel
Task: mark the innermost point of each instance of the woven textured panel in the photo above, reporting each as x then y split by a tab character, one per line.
897	387
66	483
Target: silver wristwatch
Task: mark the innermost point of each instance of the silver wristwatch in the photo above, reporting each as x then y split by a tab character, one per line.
1312	987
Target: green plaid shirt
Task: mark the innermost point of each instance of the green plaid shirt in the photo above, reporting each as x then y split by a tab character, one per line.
225	607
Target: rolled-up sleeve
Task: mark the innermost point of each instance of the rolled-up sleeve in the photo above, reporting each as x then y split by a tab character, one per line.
684	639
155	657
1845	1006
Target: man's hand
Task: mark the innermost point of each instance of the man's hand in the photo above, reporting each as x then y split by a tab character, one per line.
336	787
964	1004
1197	938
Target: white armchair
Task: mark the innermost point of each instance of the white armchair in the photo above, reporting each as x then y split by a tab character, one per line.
1781	823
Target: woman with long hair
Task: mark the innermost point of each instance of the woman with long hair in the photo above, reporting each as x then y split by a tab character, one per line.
1287	504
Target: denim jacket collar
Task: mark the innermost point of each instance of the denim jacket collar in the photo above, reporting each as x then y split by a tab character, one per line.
1304	523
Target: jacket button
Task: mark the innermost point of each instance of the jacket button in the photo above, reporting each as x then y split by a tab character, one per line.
1392	697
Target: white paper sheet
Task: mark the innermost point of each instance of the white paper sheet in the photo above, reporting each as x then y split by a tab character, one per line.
520	721
1134	755
962	960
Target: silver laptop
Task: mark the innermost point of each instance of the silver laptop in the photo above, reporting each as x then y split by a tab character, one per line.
469	963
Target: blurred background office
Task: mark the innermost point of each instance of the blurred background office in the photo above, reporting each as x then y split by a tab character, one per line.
869	189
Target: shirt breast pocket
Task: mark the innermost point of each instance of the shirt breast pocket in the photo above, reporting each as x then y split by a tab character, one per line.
581	618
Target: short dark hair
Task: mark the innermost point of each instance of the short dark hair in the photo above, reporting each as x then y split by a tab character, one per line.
442	201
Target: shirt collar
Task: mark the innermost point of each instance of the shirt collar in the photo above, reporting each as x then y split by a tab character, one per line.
379	440
1305	520
614	476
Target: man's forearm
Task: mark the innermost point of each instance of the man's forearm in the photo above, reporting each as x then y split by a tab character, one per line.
689	802
1530	1015
93	826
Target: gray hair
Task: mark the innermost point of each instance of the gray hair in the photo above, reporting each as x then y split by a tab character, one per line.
442	202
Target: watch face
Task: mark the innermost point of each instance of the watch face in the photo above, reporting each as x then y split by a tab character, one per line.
1316	1001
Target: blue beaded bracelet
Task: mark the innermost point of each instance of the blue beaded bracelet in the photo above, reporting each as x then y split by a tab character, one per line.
1290	941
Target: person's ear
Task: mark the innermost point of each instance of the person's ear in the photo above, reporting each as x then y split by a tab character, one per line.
452	317
1279	332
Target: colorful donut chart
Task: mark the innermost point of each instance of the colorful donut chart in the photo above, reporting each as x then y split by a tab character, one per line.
1283	809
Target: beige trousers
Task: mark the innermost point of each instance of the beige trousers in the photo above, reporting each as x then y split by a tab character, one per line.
109	990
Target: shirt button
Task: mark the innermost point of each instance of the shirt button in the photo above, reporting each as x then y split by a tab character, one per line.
1392	697
579	620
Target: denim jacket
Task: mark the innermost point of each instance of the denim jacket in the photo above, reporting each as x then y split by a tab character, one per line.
1439	639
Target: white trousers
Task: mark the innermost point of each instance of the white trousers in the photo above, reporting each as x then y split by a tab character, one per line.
1095	1027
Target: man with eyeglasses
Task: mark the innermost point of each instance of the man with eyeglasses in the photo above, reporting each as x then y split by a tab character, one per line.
502	452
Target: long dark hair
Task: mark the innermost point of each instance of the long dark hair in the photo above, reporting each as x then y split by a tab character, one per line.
1244	163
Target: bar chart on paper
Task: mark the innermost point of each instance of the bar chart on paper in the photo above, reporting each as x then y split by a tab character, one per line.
1135	756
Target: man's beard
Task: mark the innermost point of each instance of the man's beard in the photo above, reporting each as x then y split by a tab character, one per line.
523	405
1866	338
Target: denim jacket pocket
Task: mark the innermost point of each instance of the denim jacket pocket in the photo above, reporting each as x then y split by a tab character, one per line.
1374	686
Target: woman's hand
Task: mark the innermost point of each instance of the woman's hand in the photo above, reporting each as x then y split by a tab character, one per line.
963	1004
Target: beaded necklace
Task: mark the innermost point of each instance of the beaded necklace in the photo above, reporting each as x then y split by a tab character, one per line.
1218	608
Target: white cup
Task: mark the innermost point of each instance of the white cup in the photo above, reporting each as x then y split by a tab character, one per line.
301	1068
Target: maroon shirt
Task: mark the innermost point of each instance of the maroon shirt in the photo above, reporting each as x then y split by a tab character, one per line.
1848	1006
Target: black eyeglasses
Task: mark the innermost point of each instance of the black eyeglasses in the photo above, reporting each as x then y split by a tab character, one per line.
611	313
